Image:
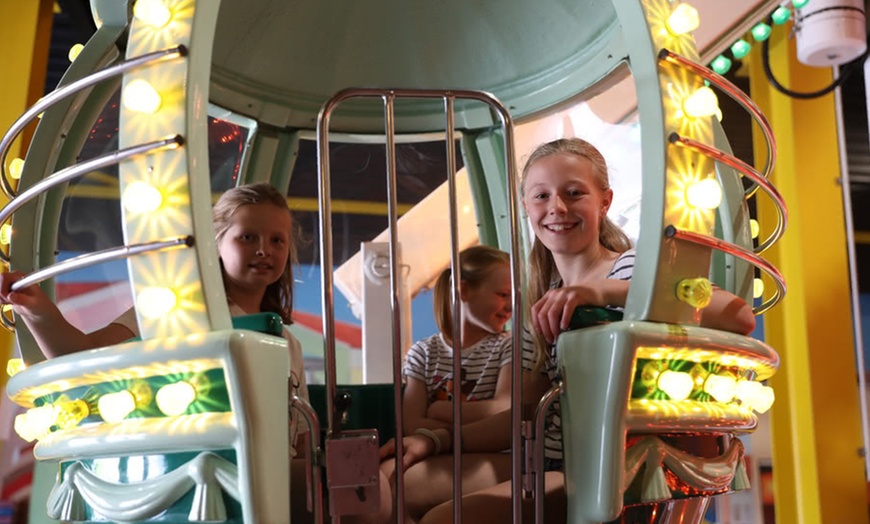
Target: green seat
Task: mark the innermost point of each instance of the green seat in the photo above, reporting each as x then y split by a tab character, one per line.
371	406
268	323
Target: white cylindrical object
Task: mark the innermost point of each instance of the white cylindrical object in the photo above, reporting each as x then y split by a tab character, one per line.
830	32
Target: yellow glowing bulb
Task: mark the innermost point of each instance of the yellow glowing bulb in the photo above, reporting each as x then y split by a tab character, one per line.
754	228
154	302
702	103
704	194
74	52
114	407
5	234
683	19
35	422
757	288
14	365
141	197
747	390
173	399
676	384
763	399
720	387
152	12
696	292
16	166
71	412
141	96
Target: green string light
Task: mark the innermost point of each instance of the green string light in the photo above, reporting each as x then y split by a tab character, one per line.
721	64
761	32
799	4
781	15
740	49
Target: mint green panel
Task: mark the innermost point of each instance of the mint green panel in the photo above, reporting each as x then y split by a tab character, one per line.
279	61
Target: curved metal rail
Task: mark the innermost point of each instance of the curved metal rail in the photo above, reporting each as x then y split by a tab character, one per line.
77	170
750	172
737	251
314	448
67	90
738	96
540	419
91	259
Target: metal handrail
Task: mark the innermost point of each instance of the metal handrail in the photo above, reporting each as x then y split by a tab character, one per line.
738	96
314	448
62	92
739	252
750	172
540	439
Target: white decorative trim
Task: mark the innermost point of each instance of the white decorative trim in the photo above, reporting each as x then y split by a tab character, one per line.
710	475
207	473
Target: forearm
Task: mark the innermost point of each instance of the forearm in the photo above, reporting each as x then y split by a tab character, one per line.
442	410
56	337
728	312
412	424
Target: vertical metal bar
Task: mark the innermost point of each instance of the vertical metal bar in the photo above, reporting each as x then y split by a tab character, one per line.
396	325
456	272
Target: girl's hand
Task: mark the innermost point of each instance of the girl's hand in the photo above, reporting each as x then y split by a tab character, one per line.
417	448
552	313
31	301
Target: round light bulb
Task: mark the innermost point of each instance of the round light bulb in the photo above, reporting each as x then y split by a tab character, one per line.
683	19
154	302
781	15
5	234
141	96
746	390
720	387
71	412
704	194
14	365
763	399
754	228
16	166
757	288
141	197
761	32
721	64
173	399
696	292
74	52
702	103
35	422
152	12
799	4
740	49
114	407
676	384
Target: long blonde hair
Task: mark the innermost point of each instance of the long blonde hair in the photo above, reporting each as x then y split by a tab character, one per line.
278	297
475	264
542	266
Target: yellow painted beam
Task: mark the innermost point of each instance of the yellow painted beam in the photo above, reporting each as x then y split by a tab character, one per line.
815	424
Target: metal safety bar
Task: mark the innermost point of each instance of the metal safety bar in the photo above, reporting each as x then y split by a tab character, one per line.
739	252
540	438
388	96
63	92
82	168
738	96
314	449
750	172
91	259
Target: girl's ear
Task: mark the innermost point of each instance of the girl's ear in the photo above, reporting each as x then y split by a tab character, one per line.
606	201
463	290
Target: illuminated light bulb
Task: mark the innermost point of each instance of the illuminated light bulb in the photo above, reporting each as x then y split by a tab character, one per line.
799	4
142	197
74	52
757	288
152	12
71	412
16	166
721	64
5	234
154	302
746	390
781	15
704	194
761	32
702	103
763	399
676	384
754	228
114	407
720	387
140	96
684	19
696	292
740	49
35	422
173	399
14	365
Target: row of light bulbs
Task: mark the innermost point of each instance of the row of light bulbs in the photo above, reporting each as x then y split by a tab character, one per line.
722	387
172	400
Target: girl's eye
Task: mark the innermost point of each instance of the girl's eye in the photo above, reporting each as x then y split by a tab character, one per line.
541	196
246	236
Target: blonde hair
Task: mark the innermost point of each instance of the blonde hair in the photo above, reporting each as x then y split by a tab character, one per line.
475	264
542	267
279	294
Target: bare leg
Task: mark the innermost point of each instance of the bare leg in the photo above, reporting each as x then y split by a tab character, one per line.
492	504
